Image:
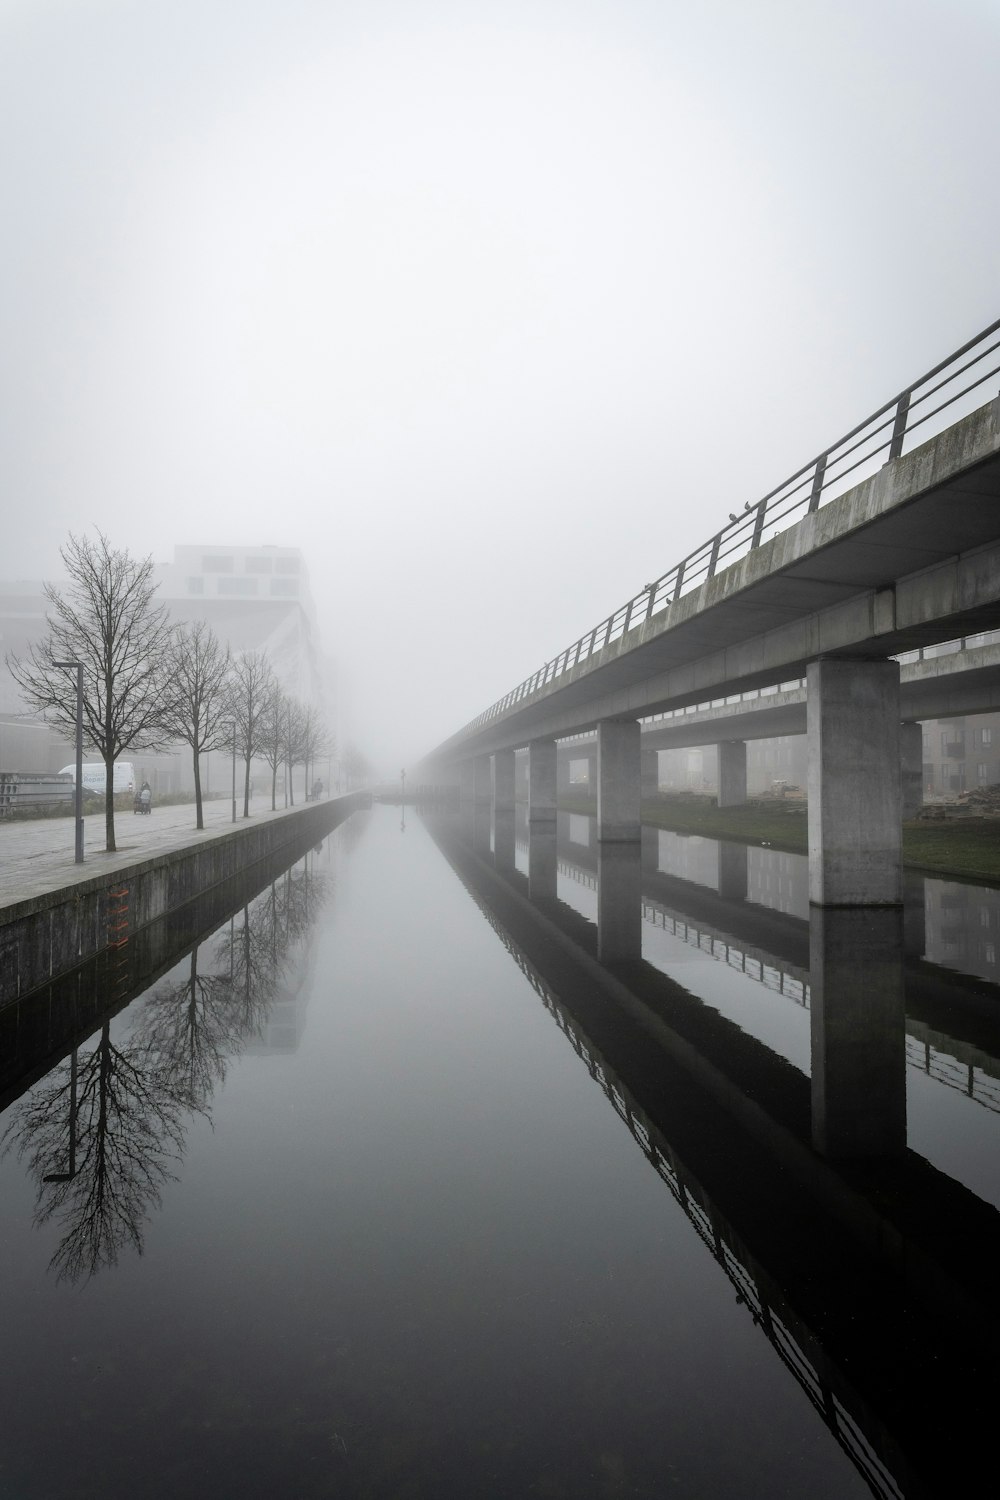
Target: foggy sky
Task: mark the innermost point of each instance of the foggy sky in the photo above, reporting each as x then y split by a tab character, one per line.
495	309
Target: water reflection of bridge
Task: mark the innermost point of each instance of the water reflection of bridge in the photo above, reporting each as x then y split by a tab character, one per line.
871	1275
773	950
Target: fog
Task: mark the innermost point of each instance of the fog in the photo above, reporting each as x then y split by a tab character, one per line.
496	310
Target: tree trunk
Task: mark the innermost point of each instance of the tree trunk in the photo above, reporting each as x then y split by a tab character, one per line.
109	806
197	789
274	787
246	790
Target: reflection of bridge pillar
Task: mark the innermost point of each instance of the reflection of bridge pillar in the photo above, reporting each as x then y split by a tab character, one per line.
619	901
618	752
855	834
482	779
914	920
911	758
542	760
503	838
650	773
466	782
732	772
503	781
732	871
542	861
482	826
858	1033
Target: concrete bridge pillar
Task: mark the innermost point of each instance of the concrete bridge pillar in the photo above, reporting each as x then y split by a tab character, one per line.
592	774
911	756
521	776
858	1036
466	783
482	778
650	772
542	760
503	781
542	861
618	788
619	899
855	803
504	843
732	772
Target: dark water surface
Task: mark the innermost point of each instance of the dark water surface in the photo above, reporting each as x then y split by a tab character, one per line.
392	1189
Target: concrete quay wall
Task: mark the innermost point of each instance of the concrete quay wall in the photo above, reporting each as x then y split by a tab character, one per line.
47	934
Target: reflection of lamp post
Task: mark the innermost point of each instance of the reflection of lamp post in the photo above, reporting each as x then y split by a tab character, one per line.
78	665
68	1176
234	770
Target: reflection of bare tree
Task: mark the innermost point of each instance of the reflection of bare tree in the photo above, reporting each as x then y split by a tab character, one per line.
192	1026
116	1117
103	1132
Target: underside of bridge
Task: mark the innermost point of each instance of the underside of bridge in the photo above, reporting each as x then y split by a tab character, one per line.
907	559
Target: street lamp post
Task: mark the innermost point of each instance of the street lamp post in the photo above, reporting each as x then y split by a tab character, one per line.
78	790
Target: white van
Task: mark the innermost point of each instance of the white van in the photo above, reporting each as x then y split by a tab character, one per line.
94	780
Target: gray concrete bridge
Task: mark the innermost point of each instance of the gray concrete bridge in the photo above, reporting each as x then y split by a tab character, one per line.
825	578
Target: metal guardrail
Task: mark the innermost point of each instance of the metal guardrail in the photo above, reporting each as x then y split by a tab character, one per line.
846	462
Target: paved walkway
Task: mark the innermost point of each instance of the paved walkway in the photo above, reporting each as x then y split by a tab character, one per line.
37	856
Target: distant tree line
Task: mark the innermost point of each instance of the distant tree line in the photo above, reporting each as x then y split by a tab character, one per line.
147	683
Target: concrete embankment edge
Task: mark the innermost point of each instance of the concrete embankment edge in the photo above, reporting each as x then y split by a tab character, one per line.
44	935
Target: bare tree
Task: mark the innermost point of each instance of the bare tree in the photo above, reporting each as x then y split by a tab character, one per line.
274	737
309	737
196	708
104	618
252	684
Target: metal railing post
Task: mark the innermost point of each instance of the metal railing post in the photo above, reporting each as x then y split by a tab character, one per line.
899	426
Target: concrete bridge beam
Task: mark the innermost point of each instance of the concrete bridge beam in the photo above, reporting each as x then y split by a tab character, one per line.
732	772
542	781
618	781
855	791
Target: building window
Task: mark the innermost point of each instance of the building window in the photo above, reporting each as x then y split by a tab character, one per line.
286	565
196	585
289	587
259	564
237	585
982	771
217	562
985	736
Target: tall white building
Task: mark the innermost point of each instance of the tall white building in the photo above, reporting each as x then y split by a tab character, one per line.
256	599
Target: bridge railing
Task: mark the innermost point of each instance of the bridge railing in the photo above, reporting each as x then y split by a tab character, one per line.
881	437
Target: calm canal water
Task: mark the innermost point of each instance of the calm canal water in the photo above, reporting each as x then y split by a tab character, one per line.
392	1189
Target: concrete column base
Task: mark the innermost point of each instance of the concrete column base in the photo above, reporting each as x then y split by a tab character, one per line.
542	760
618	807
911	760
503	781
650	772
855	801
482	778
732	773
